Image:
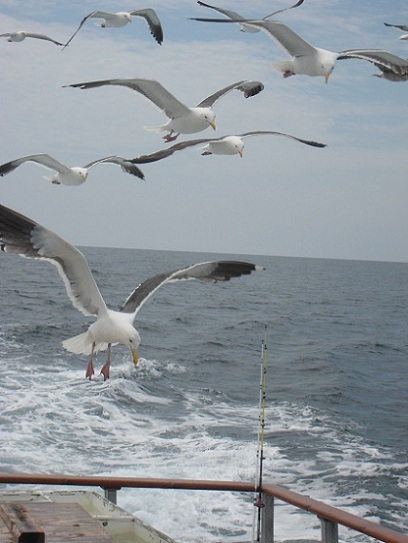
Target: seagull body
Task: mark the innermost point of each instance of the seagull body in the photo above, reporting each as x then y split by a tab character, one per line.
122	18
183	119
227	145
21	235
233	15
64	175
314	61
22	35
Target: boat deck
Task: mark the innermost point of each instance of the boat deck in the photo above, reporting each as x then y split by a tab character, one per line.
39	522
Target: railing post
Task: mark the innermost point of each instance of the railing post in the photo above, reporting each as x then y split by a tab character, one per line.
330	531
111	493
267	534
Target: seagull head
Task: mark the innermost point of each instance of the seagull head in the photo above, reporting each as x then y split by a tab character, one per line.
81	173
209	117
133	343
327	62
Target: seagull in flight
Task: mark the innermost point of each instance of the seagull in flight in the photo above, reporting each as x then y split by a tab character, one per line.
227	145
22	35
404	28
183	119
121	18
237	17
21	235
314	61
65	175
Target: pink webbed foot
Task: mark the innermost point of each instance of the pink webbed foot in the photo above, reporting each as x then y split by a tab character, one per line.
169	138
105	371
89	370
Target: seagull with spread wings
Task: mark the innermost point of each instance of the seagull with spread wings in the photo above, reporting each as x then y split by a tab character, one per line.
64	175
227	145
237	17
21	35
314	61
183	119
21	235
121	18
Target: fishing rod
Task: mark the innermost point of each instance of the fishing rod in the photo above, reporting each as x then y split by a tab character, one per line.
258	502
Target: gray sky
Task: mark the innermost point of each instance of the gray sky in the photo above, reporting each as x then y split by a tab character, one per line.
349	200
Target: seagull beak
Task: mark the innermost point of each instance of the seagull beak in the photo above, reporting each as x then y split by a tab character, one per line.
212	124
135	357
240	152
326	76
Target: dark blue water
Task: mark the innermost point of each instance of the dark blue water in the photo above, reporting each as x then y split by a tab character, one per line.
337	398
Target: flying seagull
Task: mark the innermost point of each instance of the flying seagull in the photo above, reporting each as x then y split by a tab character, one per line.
313	61
65	175
183	119
23	236
227	145
237	17
21	35
121	18
404	28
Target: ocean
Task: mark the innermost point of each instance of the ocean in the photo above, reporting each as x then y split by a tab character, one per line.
336	396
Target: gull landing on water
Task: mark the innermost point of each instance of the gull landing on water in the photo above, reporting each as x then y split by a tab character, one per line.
21	235
183	119
227	145
121	18
21	35
313	61
69	176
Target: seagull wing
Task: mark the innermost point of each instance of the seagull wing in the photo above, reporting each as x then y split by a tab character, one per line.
6	35
150	88
249	88
168	151
299	3
206	271
271	133
92	14
401	27
283	36
384	60
126	165
42	159
153	21
42	37
20	235
227	12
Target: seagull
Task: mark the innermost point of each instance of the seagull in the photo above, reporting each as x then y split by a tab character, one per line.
313	61
21	35
183	119
69	176
228	145
21	235
404	28
121	18
237	17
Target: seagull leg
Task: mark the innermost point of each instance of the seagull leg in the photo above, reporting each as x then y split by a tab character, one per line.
169	137
106	367
90	367
288	73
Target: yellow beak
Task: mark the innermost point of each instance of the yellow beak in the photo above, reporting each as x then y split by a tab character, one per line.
326	77
135	357
212	124
240	152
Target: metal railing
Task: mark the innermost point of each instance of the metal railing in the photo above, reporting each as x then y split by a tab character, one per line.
330	517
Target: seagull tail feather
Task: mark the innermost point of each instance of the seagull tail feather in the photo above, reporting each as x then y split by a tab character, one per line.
80	344
155	128
284	66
